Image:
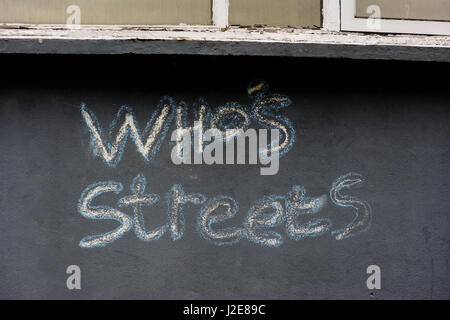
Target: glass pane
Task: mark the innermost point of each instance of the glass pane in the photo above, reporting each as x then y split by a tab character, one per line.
280	13
436	10
139	12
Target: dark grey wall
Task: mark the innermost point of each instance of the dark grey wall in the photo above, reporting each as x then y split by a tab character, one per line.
387	121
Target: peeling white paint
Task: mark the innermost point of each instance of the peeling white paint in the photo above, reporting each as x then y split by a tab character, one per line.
209	33
229	41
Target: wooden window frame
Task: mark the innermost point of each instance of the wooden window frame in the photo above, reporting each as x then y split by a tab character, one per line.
218	38
220	11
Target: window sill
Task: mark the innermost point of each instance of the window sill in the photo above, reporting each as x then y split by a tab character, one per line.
210	40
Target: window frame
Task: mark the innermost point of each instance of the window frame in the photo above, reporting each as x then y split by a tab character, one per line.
221	39
220	11
350	23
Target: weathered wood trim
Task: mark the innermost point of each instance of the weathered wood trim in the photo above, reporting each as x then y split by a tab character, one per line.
212	40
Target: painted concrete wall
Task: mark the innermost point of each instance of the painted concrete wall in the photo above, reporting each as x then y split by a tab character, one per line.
378	122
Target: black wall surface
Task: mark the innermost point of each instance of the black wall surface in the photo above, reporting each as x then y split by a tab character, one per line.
387	121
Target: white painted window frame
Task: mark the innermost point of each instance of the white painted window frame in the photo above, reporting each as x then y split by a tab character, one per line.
220	10
331	13
221	39
350	23
338	15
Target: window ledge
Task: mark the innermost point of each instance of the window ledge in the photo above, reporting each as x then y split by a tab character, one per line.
210	40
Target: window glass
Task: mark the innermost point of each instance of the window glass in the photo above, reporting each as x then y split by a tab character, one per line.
138	12
435	10
280	13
